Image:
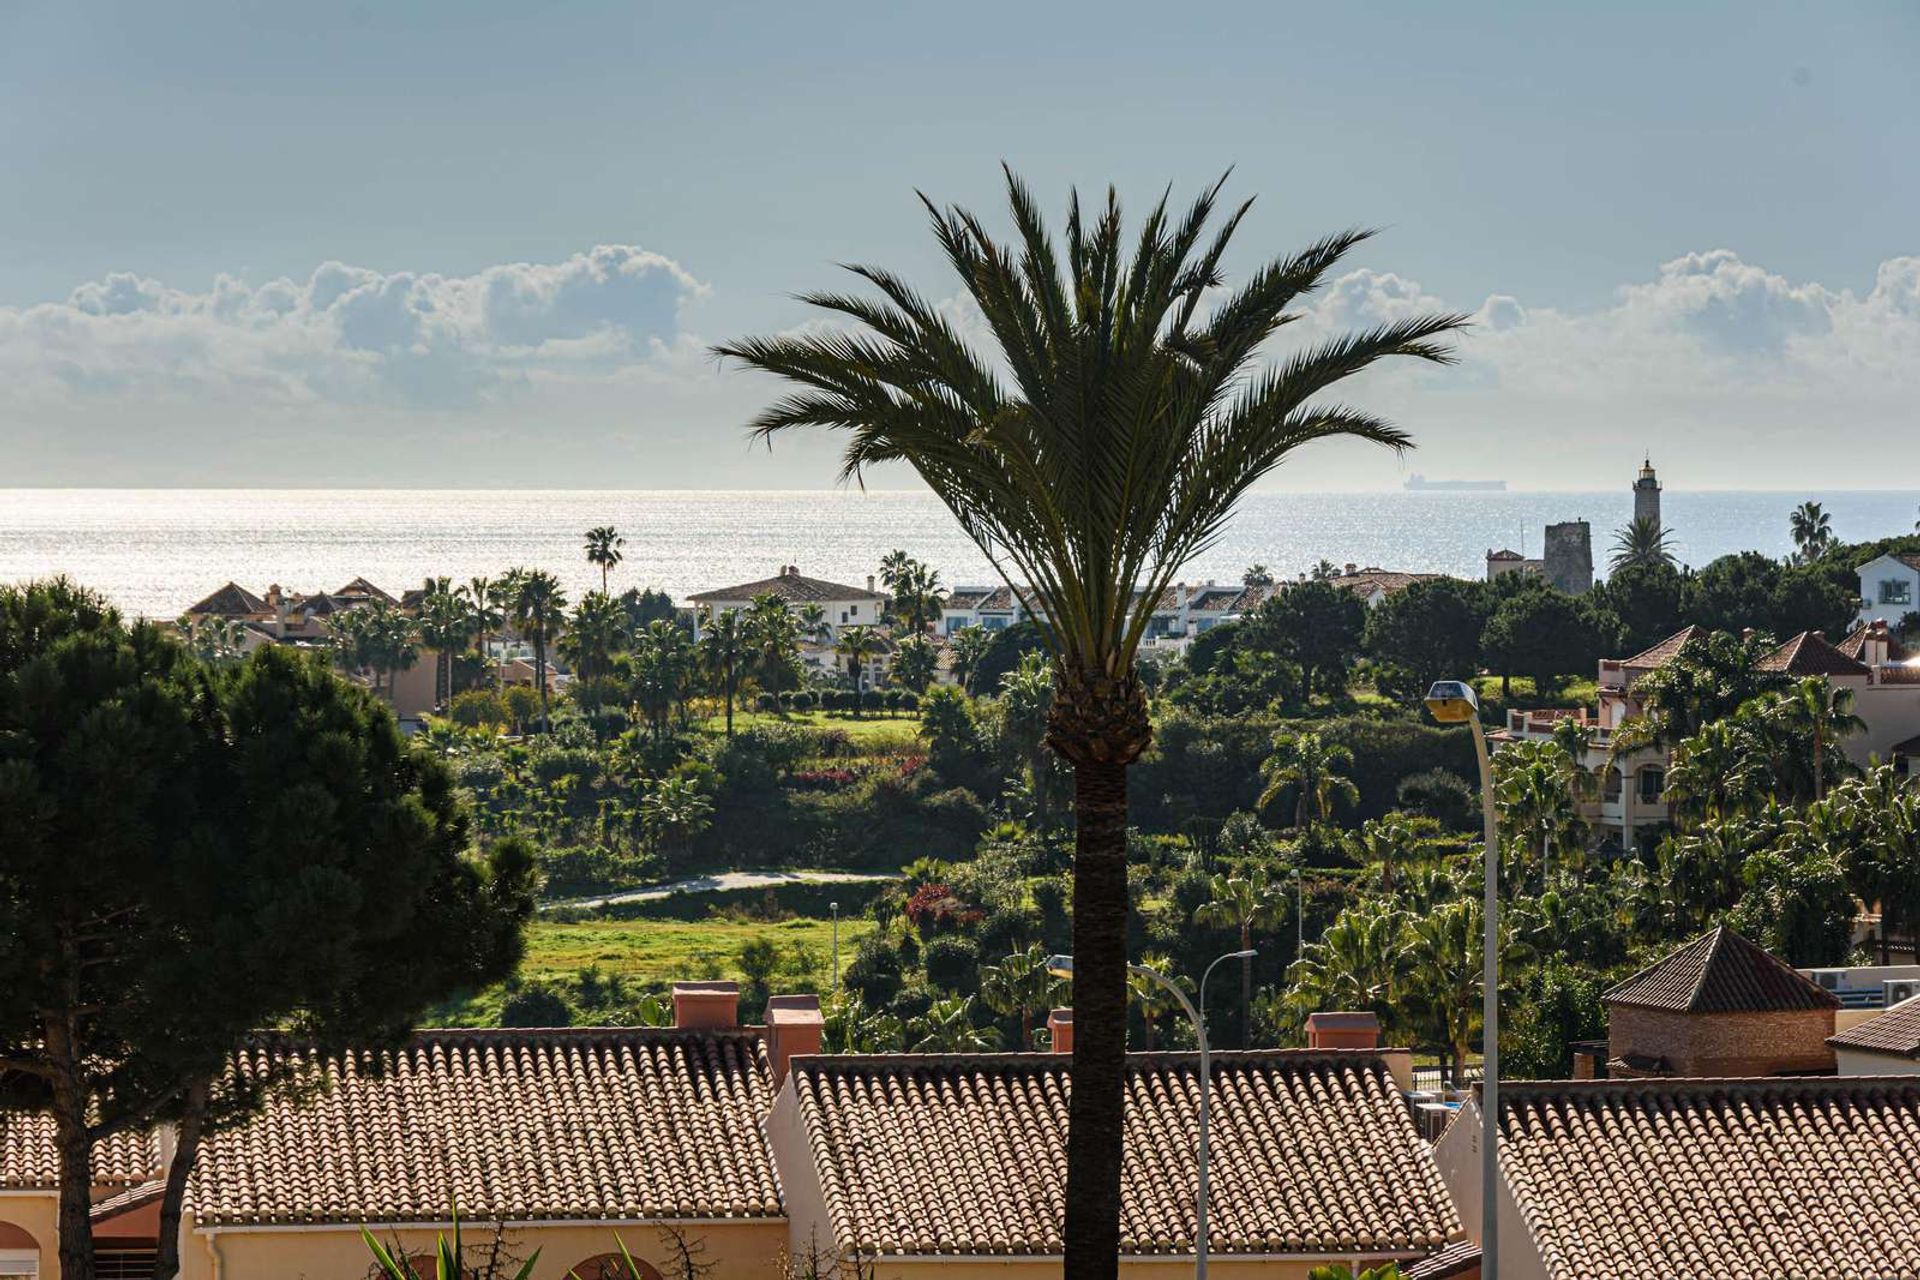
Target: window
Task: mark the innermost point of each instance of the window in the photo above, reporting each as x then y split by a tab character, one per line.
1896	591
1653	784
124	1264
24	1264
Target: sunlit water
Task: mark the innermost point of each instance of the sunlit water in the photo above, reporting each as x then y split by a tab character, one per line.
155	551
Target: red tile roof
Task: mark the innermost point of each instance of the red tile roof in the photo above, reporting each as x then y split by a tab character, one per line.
1809	654
28	1160
230	601
519	1125
794	588
1313	1152
1458	1259
1721	972
1895	1032
361	589
1661	654
1776	1178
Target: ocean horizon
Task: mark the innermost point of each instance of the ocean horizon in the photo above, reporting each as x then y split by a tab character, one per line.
153	552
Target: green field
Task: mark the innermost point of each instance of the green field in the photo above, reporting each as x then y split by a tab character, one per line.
877	729
651	954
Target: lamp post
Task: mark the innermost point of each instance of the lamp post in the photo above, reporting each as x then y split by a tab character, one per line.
1454	702
1062	967
1299	916
835	908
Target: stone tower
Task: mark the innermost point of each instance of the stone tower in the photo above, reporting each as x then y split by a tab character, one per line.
1568	560
1646	495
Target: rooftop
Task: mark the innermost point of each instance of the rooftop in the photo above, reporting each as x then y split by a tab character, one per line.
28	1160
791	586
1896	1032
1810	654
1664	652
1762	1177
1313	1152
519	1125
230	601
1721	972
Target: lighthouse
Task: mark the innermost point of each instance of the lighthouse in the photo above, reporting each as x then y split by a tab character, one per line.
1646	496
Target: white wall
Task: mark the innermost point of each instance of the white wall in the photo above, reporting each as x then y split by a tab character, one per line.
1888	570
1458	1155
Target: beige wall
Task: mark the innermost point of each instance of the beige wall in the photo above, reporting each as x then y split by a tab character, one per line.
1171	1268
1458	1155
1724	1044
38	1214
740	1250
1859	1062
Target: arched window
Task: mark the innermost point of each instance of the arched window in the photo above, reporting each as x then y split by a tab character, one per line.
611	1266
1653	784
19	1254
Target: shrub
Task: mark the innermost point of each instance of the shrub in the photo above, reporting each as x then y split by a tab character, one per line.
936	907
952	964
803	700
477	709
873	700
766	703
786	699
874	972
535	1005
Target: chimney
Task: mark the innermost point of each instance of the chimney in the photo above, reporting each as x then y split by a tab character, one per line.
869	582
1352	568
1060	1030
794	1028
706	1006
1343	1031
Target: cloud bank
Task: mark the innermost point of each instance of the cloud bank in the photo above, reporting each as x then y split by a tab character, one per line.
585	372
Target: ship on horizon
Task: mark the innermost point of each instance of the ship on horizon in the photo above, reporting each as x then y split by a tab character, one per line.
1417	483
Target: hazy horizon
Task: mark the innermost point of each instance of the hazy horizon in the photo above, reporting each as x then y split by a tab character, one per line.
486	246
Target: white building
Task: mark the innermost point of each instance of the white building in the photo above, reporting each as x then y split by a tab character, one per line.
842	606
1889	588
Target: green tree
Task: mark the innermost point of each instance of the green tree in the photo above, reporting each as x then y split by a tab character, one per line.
914	663
1317	625
1534	787
1812	530
485	617
445	626
1125	427
1020	986
1442	955
969	645
1877	820
1641	542
776	638
948	1027
538	609
1313	771
1644	602
1430	631
673	810
1543	634
169	828
603	551
596	631
725	649
1243	902
858	645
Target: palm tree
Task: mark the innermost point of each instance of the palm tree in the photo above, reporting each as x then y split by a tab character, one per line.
1533	786
1314	770
1019	986
1641	542
776	637
857	645
596	631
947	1027
813	623
1883	859
1097	450
724	651
445	625
1815	710
486	616
1443	963
1812	530
603	549
1246	902
1356	964
969	645
673	810
1154	1000
538	610
914	663
1388	843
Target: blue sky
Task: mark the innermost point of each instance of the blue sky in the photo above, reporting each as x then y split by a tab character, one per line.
1689	231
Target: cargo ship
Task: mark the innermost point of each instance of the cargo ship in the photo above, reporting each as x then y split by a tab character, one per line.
1417	483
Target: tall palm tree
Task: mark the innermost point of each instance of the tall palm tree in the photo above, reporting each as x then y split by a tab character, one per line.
1153	999
596	631
1443	963
1092	454
914	663
482	595
1245	902
969	645
538	610
1812	530
1641	541
1314	771
857	645
1388	843
813	623
725	649
776	638
1816	710
445	625
1533	787
603	549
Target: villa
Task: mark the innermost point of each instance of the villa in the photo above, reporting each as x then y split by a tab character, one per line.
1889	589
743	1142
843	606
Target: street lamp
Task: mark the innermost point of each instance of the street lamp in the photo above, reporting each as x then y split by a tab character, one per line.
1454	702
835	908
1062	967
1299	916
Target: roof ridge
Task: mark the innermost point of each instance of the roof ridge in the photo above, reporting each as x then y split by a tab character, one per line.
1516	1090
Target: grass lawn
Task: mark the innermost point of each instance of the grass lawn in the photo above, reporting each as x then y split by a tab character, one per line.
1569	693
873	728
651	954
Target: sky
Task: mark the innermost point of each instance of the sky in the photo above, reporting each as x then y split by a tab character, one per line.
490	244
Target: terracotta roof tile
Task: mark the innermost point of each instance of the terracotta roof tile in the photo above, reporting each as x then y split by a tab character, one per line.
361	589
134	1197
519	1125
230	601
1721	972
794	588
1895	1032
28	1160
1621	1180
1457	1259
1809	654
1661	654
1313	1152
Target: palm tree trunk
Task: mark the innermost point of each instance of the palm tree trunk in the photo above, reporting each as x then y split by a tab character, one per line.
540	678
193	1122
1095	1114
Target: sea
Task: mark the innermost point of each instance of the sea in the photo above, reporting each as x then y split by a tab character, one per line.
153	552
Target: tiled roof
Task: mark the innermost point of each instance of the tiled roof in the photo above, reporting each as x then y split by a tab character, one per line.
1809	654
518	1125
1895	1032
1313	1152
1252	598
989	599
1505	554
1661	654
794	588
135	1197
1909	558
360	588
1456	1259
1779	1178
1854	645
1721	972
1387	581
230	601
1908	747
28	1159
